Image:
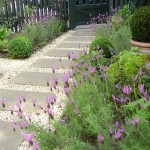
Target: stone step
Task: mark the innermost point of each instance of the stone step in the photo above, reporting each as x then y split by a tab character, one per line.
62	53
84	33
8	139
79	39
49	63
34	78
72	45
12	97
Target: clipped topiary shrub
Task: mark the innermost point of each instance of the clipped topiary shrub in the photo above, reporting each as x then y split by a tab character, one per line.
102	44
140	24
20	47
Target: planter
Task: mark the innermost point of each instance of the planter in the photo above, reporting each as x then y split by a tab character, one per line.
144	47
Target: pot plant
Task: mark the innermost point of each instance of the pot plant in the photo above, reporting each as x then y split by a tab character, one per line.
140	29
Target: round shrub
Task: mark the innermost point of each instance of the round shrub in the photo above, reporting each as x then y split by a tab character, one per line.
140	24
20	47
102	44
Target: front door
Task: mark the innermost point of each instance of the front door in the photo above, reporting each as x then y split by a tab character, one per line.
80	11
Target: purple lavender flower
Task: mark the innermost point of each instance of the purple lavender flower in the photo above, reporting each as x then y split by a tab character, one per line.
20	114
55	81
134	79
135	122
71	101
140	72
123	100
35	146
34	102
25	124
20	99
100	138
114	97
141	88
13	125
66	90
82	61
65	78
19	124
121	130
111	131
11	109
126	90
53	69
148	65
117	136
85	51
50	113
85	76
3	102
92	70
117	124
19	106
28	137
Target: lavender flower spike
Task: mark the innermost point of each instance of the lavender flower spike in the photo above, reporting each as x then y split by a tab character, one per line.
28	137
100	138
126	90
148	65
141	88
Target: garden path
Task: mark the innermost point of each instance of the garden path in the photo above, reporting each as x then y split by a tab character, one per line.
29	79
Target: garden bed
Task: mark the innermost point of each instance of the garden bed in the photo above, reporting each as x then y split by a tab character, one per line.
108	96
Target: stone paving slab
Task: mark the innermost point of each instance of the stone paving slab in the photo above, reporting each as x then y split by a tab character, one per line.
12	97
79	39
72	45
1	75
83	33
49	63
8	139
63	53
34	78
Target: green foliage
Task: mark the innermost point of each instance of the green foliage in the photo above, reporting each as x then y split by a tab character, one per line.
127	64
140	25
20	47
91	118
36	33
140	109
121	39
60	138
136	138
40	33
101	44
4	33
125	12
55	27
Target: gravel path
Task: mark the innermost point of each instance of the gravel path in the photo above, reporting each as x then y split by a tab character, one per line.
12	68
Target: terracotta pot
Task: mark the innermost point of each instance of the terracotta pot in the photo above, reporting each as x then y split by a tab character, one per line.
144	47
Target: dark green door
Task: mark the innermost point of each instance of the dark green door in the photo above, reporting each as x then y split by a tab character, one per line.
80	11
